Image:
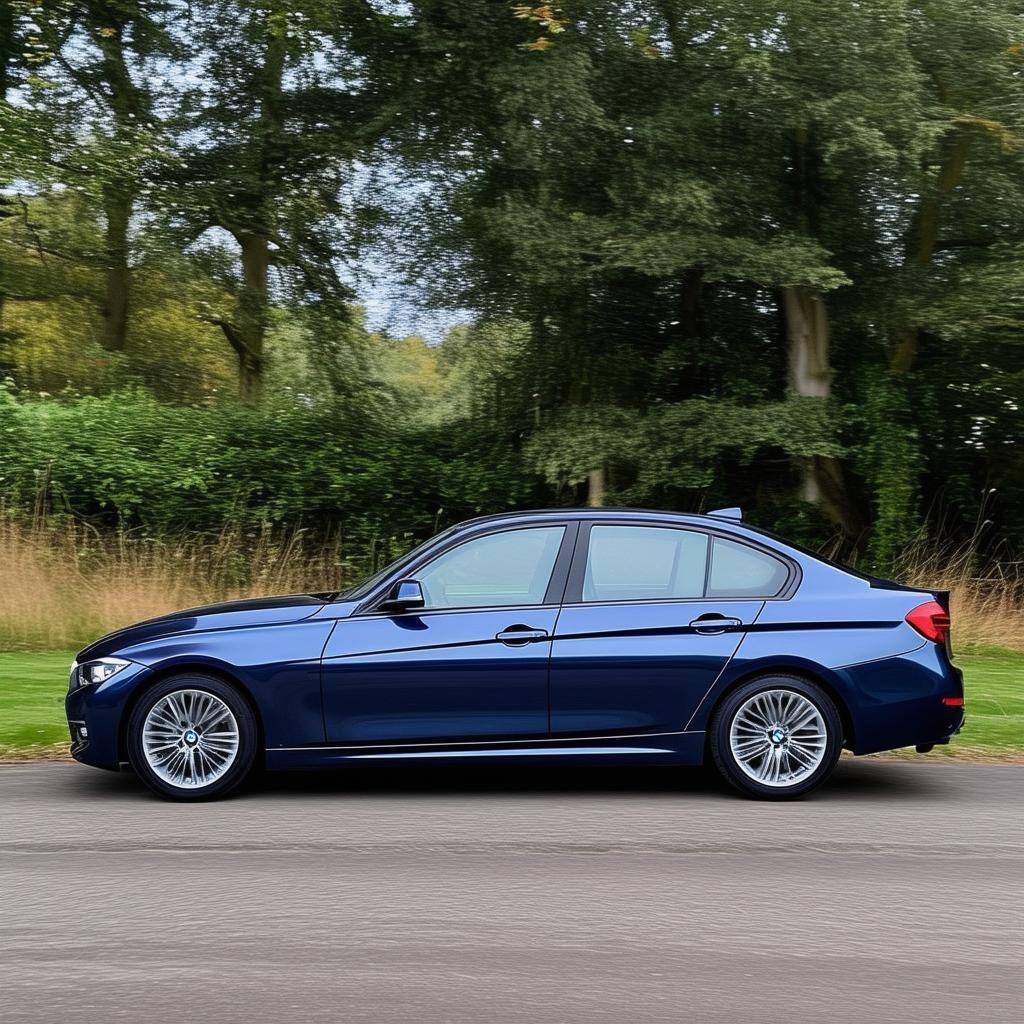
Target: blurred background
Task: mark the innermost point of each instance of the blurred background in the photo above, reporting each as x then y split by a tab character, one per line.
288	285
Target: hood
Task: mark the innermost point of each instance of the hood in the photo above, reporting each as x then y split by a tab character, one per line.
259	611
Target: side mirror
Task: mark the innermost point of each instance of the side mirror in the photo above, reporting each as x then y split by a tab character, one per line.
405	594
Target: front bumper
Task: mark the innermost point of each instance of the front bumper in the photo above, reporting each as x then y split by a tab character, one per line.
94	717
79	736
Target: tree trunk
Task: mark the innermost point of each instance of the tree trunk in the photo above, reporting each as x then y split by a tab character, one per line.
807	335
118	208
822	481
7	44
251	314
691	290
922	244
250	324
595	488
810	376
128	105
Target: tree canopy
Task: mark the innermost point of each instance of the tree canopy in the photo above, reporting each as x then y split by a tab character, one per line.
745	253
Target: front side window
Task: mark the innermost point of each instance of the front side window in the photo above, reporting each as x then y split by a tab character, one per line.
638	563
509	568
738	570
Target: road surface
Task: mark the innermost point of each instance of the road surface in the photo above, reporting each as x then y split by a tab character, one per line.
563	896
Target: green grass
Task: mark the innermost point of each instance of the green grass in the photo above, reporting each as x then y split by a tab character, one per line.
32	688
994	694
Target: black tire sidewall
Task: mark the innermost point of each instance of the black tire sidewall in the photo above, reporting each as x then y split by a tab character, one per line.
721	750
247	737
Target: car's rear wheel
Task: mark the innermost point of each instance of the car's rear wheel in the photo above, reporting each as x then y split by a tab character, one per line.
776	737
192	737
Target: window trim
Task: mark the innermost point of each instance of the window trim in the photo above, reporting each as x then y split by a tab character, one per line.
552	595
573	595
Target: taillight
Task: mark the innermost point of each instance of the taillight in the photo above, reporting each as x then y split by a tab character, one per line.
931	620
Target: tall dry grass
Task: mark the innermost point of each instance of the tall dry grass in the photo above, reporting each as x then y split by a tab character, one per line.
986	599
62	586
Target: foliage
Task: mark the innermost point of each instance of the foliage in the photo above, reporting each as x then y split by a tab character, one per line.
128	462
742	253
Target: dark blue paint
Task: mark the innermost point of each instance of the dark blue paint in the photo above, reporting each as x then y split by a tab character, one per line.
333	679
437	675
637	667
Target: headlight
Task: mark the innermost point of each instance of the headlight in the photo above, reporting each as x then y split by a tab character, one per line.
98	671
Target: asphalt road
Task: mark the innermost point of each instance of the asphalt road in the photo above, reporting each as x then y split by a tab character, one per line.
649	895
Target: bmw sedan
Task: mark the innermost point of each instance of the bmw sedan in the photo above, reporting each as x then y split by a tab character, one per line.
573	636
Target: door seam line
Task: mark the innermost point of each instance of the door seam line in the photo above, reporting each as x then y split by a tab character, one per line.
728	662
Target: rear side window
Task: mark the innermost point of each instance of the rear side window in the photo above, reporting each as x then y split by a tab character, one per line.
637	563
738	570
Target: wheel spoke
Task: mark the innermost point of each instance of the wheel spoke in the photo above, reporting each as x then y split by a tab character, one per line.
212	714
803	719
751	751
157	747
804	758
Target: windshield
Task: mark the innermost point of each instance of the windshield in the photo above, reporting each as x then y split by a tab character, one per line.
364	588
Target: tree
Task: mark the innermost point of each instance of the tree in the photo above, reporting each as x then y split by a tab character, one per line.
291	94
103	74
16	136
689	202
737	253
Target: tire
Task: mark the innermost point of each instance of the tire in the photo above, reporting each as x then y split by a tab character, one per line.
786	762
192	737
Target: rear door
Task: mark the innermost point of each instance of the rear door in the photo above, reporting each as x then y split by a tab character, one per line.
472	664
652	615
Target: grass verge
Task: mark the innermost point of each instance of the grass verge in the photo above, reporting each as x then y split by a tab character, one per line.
994	693
32	688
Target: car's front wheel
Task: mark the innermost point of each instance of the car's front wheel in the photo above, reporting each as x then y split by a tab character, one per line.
776	737
192	737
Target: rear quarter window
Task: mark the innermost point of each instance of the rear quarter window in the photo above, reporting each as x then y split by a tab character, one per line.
738	570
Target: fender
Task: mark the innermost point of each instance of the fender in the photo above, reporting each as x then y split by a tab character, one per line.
741	668
278	665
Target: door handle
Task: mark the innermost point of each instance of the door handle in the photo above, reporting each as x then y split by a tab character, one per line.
517	636
709	625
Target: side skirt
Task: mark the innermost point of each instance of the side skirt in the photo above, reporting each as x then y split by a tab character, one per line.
679	748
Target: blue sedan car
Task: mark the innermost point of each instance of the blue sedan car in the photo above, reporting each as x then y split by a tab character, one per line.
582	635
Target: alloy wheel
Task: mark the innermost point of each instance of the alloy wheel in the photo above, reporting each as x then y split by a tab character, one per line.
778	738
190	738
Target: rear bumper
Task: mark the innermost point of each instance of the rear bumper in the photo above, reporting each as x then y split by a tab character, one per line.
900	700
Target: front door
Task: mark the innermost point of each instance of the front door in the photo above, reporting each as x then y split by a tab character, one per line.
652	616
471	665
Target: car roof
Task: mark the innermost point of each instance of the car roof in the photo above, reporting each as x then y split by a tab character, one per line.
732	516
724	520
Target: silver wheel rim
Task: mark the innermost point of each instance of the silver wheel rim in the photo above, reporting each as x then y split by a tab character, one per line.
190	738
778	738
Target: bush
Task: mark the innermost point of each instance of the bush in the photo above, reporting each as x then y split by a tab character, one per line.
129	463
